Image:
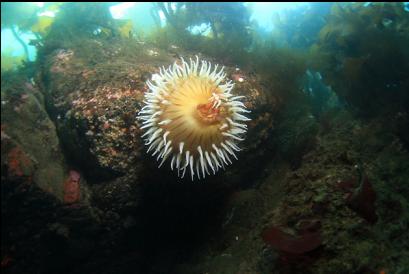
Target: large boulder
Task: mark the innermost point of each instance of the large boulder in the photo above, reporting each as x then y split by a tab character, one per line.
94	100
30	146
44	203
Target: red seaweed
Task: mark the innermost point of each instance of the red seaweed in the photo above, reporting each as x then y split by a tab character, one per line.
360	197
284	242
362	201
72	188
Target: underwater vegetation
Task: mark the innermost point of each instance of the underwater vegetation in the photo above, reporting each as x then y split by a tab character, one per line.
72	21
299	28
77	20
20	18
17	15
313	180
9	62
322	98
362	51
228	27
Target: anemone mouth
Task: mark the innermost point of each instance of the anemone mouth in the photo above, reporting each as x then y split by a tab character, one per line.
192	118
208	115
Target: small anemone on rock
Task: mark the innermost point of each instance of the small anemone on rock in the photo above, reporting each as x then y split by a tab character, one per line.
192	118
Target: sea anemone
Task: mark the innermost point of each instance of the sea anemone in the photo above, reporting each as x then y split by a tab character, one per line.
192	118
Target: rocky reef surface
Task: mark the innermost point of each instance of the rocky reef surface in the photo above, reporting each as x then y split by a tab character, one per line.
80	195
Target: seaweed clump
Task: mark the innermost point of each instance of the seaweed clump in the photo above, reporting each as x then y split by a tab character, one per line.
78	20
299	28
226	28
363	51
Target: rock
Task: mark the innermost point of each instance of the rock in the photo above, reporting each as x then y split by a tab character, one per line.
19	164
98	104
36	185
30	145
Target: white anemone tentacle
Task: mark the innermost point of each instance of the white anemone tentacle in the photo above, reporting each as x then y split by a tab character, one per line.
170	134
